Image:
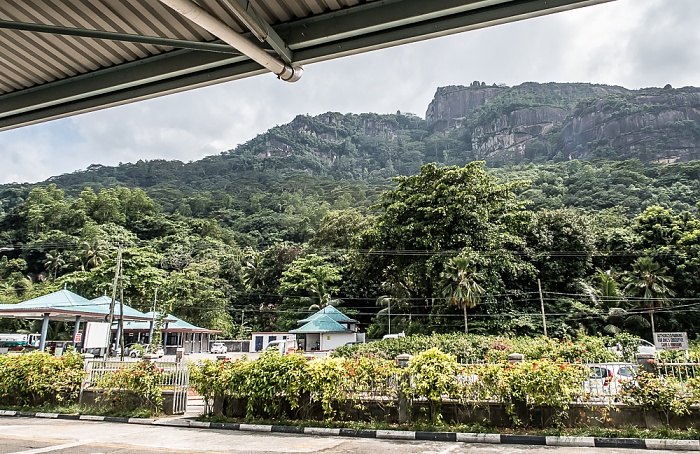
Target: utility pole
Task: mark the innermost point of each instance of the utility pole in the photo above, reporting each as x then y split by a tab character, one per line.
544	319
121	312
153	320
389	313
114	291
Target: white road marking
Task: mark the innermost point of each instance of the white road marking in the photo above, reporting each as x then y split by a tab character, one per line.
450	449
52	448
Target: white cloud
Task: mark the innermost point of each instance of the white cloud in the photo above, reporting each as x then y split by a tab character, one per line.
634	43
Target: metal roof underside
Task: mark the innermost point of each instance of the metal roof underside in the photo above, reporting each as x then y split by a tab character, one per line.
64	57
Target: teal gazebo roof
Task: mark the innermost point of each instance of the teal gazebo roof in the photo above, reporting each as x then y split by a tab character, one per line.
329	311
321	324
129	312
175	324
60	305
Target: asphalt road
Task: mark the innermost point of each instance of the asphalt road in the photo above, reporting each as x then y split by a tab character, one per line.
34	436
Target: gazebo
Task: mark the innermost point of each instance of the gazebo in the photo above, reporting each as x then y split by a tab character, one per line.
64	305
328	329
177	333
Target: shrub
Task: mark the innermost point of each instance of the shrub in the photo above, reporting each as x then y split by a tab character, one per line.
667	395
536	383
273	379
142	380
433	375
39	378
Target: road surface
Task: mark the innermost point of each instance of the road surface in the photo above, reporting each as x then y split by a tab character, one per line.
35	436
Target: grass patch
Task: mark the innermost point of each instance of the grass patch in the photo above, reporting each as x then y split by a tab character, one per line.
76	409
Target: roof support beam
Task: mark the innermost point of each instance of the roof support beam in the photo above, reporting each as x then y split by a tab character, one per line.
322	38
115	36
261	29
287	72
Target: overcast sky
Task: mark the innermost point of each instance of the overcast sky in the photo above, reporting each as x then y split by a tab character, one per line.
633	43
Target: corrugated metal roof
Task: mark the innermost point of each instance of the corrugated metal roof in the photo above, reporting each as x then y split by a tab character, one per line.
59	58
331	312
129	312
322	324
175	324
60	304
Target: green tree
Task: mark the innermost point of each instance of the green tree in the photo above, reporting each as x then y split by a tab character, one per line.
53	263
450	209
649	280
311	278
461	285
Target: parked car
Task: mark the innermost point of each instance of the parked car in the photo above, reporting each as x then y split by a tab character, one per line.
137	353
606	379
218	348
643	346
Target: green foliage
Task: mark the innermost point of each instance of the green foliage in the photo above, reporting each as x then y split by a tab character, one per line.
537	383
39	378
142	379
273	379
432	375
667	395
475	349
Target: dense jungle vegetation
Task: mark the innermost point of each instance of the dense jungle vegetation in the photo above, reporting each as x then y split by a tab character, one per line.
349	210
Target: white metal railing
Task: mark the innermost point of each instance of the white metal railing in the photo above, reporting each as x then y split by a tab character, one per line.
174	377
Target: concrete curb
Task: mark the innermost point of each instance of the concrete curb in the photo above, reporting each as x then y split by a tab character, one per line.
530	440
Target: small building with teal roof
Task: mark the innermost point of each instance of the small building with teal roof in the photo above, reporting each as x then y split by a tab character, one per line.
328	329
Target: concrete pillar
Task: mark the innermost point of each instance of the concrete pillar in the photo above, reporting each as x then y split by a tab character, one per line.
76	330
150	332
201	338
117	339
44	332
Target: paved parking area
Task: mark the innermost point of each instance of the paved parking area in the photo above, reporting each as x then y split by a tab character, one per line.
35	435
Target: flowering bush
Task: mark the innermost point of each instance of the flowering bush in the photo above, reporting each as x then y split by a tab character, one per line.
537	383
433	375
667	395
39	378
142	379
473	348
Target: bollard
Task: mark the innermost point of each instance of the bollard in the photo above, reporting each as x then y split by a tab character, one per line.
404	404
516	358
644	361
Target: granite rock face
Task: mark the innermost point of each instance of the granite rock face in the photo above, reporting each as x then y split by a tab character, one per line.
571	121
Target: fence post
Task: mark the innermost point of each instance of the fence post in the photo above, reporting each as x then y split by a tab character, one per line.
404	403
643	359
87	366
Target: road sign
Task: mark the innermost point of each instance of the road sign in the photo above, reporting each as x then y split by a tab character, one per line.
78	337
671	341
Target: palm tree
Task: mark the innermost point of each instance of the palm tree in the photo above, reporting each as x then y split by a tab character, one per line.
53	262
94	254
321	298
649	280
461	286
605	293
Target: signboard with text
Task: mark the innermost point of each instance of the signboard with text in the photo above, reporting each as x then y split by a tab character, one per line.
671	341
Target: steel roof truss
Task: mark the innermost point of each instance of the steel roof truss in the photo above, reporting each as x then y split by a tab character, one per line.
260	28
115	36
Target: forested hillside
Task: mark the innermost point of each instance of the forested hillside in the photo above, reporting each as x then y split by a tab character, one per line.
587	188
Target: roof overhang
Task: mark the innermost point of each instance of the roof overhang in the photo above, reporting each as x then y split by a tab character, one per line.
54	314
63	59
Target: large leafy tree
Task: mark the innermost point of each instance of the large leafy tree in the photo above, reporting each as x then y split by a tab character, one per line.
441	212
311	276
